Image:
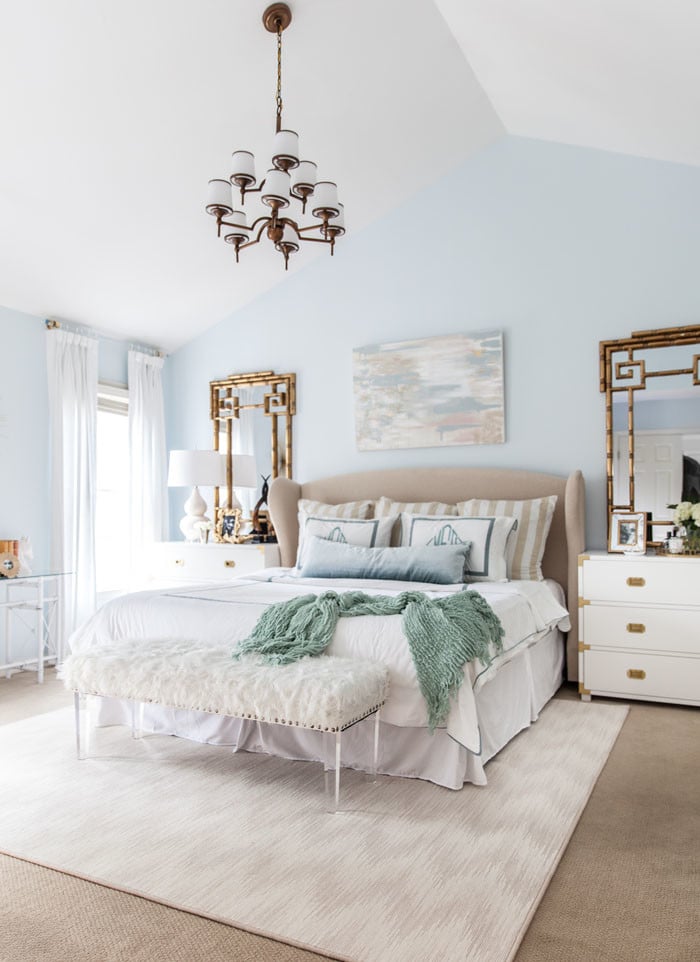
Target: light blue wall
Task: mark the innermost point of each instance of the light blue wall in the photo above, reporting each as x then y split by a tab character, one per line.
558	247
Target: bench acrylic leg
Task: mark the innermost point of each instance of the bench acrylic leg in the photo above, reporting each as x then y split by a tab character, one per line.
137	719
82	731
333	764
375	753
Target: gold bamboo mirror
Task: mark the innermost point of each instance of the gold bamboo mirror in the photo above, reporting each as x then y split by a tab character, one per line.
651	382
251	415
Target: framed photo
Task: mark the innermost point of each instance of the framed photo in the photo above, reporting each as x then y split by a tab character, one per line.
228	523
628	532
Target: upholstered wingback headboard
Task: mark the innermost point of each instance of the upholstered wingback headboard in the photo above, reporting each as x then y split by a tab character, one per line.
566	536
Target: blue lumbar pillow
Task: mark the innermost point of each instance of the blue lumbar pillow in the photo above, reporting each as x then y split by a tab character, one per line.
433	564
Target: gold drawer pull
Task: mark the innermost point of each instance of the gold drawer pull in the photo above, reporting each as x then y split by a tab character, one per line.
636	673
229	563
636	629
636	582
179	562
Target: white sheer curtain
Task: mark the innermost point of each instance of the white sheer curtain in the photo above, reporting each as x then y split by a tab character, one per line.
148	494
243	442
72	378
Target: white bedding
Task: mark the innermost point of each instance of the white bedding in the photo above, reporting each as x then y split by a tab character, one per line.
224	614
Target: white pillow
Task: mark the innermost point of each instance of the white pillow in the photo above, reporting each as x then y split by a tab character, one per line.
367	533
526	548
487	559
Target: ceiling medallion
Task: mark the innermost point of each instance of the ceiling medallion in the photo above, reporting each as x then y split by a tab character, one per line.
289	179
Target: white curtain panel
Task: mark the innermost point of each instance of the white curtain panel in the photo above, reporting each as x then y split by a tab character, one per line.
72	377
148	493
243	442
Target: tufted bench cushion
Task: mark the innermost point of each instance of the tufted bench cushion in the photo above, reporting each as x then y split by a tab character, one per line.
325	693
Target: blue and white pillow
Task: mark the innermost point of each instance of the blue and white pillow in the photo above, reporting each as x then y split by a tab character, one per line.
367	533
429	564
487	559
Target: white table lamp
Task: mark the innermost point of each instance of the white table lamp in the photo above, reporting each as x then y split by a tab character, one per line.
195	468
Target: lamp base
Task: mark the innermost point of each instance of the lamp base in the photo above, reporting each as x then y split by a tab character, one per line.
195	506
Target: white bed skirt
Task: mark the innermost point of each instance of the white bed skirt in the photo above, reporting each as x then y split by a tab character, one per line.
506	704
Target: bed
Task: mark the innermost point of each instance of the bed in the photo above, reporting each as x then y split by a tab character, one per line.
498	698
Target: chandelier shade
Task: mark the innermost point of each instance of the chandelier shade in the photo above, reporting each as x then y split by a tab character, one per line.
220	198
288	179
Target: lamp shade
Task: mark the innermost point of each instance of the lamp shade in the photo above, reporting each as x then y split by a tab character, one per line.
219	197
245	473
188	468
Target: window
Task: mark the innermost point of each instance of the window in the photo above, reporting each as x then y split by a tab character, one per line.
112	507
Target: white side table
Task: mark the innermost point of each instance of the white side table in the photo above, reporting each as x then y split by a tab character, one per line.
34	600
639	627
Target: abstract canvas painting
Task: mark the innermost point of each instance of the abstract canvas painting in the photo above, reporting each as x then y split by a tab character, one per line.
430	391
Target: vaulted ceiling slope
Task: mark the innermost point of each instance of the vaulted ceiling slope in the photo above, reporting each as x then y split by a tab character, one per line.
118	112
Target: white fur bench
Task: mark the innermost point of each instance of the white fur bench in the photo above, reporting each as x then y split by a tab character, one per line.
327	694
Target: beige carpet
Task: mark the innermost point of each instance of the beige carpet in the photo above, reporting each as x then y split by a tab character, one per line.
409	871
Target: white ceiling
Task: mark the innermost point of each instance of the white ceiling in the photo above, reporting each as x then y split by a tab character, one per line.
116	114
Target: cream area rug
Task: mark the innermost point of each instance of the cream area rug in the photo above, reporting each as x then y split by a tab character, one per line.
407	871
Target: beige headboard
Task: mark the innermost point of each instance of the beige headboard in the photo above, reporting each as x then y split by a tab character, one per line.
566	537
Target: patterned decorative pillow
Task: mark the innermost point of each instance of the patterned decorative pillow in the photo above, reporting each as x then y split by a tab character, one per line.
385	507
368	533
489	537
527	546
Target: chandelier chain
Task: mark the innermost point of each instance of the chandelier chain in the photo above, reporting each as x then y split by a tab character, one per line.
279	75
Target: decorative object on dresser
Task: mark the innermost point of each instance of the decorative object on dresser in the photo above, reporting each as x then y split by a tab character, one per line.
277	188
429	391
176	562
639	627
652	378
628	532
273	397
686	515
195	468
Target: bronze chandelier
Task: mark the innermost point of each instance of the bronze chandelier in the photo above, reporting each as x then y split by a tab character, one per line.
288	179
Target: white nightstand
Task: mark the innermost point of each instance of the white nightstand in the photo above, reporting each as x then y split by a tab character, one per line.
639	627
179	562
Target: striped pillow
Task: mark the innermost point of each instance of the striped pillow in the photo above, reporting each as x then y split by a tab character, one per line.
385	507
351	509
527	545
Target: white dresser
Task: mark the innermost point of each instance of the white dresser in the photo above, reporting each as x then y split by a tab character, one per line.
639	627
179	562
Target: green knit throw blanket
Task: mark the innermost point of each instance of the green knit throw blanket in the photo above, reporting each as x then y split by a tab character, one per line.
443	634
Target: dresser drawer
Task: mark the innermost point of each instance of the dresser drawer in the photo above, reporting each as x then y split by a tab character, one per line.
641	628
642	675
180	561
658	581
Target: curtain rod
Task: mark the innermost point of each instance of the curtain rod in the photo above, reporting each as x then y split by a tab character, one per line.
53	325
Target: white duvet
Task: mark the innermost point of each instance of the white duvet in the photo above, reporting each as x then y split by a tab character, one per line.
224	614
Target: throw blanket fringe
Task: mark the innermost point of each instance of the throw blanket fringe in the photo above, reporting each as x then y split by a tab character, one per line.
443	634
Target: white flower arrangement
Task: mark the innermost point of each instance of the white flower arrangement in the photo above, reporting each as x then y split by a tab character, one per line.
204	525
687	514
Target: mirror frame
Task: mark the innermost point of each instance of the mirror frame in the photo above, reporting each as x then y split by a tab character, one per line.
614	371
278	404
